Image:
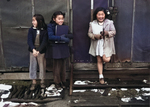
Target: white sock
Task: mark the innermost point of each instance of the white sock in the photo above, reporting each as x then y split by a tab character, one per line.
101	76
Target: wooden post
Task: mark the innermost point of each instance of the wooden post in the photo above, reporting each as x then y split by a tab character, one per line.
71	79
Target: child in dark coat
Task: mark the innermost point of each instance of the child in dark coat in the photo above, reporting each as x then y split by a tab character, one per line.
37	41
58	51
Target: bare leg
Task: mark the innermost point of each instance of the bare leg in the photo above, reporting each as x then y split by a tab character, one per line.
106	59
100	68
100	65
34	81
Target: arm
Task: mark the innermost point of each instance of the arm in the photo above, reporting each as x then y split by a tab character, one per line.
90	32
51	34
112	30
30	39
93	36
69	35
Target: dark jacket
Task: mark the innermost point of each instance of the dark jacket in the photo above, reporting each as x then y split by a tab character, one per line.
43	40
56	50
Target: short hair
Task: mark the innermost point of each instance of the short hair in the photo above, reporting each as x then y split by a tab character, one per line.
97	10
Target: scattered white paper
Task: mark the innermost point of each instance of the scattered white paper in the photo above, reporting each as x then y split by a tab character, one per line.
109	94
94	90
145	89
137	90
5	95
51	87
113	89
80	82
139	98
145	81
126	99
79	90
5	87
124	89
32	103
146	94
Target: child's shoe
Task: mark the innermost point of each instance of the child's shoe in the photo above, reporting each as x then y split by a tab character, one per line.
43	85
33	86
58	86
63	85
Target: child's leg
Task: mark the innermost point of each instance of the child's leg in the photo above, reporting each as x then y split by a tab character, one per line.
33	67
63	73
42	66
100	65
56	70
33	70
63	70
106	59
100	69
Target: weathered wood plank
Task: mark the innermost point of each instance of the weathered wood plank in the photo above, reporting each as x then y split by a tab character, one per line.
97	86
25	76
117	66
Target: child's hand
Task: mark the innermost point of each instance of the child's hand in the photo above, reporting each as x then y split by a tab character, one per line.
37	53
98	36
63	38
104	33
34	53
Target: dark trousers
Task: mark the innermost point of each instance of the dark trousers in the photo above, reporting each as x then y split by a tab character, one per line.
59	70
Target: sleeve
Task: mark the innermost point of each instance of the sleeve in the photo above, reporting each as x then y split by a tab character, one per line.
51	34
44	41
69	35
112	30
90	32
30	39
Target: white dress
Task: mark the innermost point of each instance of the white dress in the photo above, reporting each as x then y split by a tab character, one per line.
97	28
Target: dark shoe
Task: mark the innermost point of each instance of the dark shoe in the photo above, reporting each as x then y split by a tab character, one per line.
102	82
33	86
63	85
43	85
58	86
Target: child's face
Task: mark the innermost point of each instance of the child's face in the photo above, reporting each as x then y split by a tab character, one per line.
100	16
34	22
59	19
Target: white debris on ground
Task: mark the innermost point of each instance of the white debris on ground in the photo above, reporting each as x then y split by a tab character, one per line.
13	104
124	89
52	91
145	81
146	94
79	91
127	99
5	87
139	98
4	93
4	90
81	82
137	90
113	89
145	89
98	90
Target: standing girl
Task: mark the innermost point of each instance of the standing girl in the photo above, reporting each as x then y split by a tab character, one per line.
58	49
101	32
37	41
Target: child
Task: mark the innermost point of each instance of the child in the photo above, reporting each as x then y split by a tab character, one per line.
101	32
58	50
37	41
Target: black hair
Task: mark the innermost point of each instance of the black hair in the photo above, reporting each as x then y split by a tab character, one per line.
97	10
55	15
40	22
